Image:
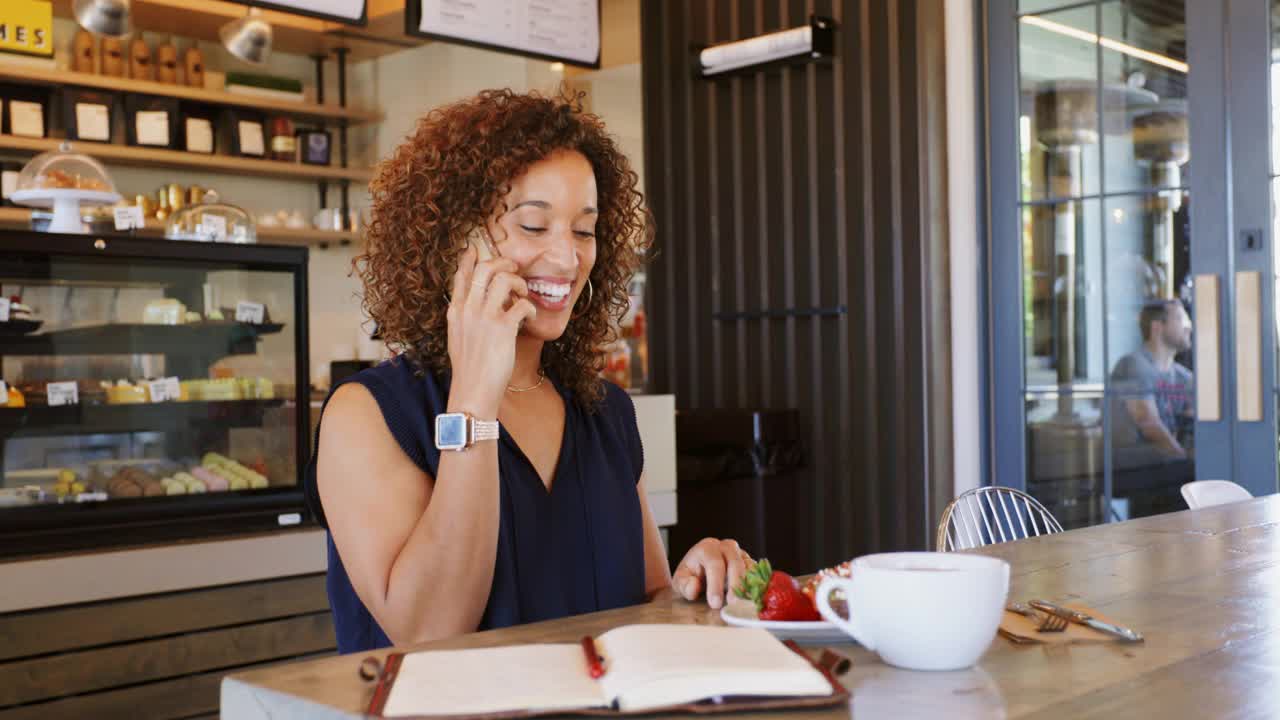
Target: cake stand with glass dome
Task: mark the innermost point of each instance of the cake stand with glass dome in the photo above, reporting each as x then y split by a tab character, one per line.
67	182
212	221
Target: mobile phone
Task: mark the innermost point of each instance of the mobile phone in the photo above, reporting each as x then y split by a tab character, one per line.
485	248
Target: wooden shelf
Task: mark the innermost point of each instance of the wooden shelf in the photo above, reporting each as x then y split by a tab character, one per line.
20	218
311	111
152	157
208	340
91	419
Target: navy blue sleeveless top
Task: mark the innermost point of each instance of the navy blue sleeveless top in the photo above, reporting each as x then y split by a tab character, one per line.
578	548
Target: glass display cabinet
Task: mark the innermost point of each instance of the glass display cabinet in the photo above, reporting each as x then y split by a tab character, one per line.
150	390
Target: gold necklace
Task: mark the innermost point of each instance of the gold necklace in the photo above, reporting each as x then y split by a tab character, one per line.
541	376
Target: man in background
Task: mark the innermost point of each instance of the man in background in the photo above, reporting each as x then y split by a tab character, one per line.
1152	413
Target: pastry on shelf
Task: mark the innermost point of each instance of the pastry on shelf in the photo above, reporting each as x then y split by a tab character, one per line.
166	311
258	388
90	392
183	483
238	476
25	495
68	484
216	390
14	398
54	179
19	311
22	319
133	482
123	392
213	481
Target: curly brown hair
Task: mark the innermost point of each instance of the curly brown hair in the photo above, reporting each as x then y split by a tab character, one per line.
449	177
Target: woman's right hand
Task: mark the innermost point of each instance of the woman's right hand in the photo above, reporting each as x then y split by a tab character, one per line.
490	301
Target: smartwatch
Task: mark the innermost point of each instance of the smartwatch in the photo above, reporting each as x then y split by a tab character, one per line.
459	431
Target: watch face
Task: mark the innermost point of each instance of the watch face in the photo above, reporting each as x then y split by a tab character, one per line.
451	431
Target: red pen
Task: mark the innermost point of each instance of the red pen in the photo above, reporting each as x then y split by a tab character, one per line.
593	658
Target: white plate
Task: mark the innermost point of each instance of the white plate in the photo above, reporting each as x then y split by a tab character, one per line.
805	633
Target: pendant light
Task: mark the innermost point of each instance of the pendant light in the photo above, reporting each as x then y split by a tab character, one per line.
103	17
248	38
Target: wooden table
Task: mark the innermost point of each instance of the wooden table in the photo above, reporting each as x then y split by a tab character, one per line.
1204	586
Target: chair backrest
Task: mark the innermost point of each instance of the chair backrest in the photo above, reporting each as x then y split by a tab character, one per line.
988	515
1207	493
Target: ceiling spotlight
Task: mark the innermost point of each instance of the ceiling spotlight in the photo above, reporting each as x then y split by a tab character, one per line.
104	17
248	38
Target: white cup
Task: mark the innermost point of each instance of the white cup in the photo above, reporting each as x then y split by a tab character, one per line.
921	611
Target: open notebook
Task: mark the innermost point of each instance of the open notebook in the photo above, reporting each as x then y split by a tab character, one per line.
647	668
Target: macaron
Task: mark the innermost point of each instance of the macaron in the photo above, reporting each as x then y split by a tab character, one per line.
211	480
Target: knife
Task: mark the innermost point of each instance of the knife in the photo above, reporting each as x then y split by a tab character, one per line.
1078	617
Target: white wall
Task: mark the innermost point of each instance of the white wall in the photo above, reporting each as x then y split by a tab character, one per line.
615	94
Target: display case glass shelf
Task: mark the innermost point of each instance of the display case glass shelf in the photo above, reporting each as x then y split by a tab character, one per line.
149	390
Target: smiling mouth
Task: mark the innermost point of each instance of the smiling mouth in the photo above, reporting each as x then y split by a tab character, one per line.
548	294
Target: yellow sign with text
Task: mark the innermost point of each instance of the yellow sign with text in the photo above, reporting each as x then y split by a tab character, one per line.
26	26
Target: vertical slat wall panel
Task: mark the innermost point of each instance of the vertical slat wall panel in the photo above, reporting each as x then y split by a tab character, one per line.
805	187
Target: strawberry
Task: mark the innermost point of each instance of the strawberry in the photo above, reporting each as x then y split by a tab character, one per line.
776	594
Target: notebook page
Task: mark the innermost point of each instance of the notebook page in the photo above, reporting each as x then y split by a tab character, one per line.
649	666
486	680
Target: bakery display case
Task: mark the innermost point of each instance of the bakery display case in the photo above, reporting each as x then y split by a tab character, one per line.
148	390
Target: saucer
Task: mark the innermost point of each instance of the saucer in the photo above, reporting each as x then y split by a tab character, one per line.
805	633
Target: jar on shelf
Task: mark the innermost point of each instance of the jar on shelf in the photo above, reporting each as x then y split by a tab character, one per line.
284	146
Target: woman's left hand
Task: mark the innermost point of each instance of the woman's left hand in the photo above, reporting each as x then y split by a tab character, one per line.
714	565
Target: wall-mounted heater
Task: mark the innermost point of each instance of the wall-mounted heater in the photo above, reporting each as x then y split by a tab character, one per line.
813	42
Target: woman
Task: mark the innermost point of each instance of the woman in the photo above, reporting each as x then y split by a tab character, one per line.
549	519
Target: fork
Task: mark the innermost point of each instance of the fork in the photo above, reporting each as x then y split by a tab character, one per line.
1052	623
1045	623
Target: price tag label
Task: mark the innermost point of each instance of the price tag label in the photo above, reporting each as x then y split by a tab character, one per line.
4	309
250	312
164	389
4	393
63	393
129	217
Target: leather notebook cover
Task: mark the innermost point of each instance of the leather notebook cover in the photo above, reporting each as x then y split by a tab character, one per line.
839	695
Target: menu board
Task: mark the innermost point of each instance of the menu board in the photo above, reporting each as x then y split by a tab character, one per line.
563	30
350	12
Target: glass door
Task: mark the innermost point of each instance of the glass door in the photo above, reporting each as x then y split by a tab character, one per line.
1128	359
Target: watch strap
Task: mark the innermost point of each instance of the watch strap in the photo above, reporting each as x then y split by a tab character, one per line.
483	430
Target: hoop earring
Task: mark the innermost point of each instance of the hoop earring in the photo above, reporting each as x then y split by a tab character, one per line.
591	295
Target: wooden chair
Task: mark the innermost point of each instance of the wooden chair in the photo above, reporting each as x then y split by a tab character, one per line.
988	515
1207	493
